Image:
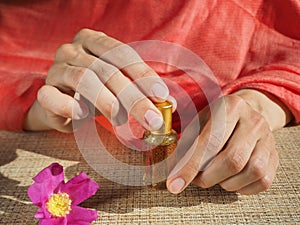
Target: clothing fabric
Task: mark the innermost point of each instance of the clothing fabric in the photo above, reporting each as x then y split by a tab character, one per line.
246	44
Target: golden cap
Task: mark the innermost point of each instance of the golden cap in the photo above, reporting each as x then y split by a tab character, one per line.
166	110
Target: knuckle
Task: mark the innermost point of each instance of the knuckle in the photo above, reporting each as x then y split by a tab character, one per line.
75	76
258	168
66	51
86	33
42	95
265	182
235	162
65	47
83	33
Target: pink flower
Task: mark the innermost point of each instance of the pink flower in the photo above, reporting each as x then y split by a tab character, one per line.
58	201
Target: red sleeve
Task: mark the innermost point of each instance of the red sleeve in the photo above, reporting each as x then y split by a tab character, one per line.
18	92
273	59
24	62
247	44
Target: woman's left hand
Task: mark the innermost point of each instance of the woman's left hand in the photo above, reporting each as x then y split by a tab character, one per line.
236	142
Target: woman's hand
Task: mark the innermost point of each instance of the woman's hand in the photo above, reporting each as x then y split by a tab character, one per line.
236	142
107	73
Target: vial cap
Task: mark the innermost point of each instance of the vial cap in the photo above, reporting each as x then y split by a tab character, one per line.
166	110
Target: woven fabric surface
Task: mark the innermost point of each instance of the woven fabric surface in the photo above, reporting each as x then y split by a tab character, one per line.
23	155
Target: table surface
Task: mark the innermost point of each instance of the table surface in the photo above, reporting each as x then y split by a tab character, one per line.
23	155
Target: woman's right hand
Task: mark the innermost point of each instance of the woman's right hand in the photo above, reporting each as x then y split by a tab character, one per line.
107	73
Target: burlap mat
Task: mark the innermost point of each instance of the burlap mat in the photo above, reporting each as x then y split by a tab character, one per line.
23	155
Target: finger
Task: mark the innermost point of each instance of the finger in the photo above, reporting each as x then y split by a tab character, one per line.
51	99
265	182
87	84
233	159
256	167
210	141
173	101
133	100
126	59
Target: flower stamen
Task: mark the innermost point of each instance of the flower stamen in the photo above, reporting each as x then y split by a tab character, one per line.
59	205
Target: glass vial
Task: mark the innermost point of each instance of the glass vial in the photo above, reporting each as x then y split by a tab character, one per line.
160	145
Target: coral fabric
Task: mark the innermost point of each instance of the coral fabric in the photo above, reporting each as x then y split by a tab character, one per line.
247	44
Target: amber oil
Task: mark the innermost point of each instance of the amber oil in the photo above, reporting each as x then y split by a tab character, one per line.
160	145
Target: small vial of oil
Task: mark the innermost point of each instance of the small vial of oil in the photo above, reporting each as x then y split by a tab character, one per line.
159	156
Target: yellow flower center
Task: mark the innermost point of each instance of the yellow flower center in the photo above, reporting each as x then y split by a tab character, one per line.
59	205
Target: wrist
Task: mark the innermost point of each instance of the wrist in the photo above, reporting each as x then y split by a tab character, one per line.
271	108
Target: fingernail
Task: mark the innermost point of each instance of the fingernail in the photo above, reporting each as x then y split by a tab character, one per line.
160	91
81	113
176	185
154	120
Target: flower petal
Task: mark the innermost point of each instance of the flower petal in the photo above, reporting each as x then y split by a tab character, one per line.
39	214
55	170
42	213
54	221
37	194
46	182
80	188
81	216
